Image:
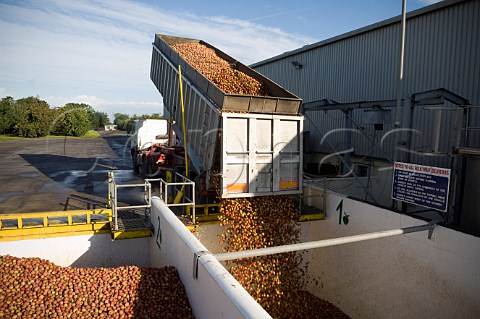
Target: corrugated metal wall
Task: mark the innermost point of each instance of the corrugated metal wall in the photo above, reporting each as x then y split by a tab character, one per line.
442	51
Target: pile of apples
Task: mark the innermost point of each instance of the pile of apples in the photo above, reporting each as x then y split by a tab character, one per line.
220	72
37	288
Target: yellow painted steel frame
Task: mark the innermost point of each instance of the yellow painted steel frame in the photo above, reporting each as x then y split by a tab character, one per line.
205	207
129	234
311	217
206	217
51	226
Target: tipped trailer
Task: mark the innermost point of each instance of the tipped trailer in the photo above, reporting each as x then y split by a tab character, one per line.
239	145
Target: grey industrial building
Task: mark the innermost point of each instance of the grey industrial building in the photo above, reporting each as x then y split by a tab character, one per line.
354	130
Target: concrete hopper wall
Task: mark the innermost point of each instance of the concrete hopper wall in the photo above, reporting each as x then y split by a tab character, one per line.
82	251
214	293
407	276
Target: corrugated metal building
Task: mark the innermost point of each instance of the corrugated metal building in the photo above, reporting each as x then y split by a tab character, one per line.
442	51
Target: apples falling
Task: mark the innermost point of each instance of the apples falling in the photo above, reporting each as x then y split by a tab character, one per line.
277	282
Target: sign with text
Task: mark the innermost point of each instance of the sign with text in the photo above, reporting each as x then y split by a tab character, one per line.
421	185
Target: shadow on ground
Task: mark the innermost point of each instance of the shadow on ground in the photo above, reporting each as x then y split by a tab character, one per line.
84	175
85	165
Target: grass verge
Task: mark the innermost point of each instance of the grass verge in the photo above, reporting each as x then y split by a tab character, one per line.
89	134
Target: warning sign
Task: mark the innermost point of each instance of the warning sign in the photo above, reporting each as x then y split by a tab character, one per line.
421	185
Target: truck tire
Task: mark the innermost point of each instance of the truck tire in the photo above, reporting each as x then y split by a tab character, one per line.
136	167
150	167
143	167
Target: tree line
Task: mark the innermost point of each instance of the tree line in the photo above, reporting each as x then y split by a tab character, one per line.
33	117
125	122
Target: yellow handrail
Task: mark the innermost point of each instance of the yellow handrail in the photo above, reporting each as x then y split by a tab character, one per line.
46	215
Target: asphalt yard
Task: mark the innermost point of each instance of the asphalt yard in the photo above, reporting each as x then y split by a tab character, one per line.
39	175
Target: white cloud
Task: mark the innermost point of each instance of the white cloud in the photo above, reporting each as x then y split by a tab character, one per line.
429	2
107	106
57	101
96	51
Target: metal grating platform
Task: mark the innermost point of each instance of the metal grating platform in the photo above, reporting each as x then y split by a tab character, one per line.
132	223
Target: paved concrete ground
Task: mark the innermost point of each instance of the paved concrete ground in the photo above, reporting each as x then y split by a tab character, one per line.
38	174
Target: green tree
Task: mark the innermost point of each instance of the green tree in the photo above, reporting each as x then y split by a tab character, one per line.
31	117
155	116
121	121
73	120
6	122
99	119
124	122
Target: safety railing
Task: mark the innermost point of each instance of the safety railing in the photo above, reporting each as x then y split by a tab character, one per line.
46	219
470	128
180	192
113	188
89	202
44	224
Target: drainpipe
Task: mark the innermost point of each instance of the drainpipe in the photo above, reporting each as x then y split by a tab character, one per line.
398	109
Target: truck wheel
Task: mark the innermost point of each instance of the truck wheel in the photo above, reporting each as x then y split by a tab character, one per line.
143	167
150	167
136	167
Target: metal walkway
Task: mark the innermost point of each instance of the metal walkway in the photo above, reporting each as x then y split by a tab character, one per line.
22	226
131	223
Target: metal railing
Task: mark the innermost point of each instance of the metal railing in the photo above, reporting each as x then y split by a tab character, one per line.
51	224
90	203
469	129
179	193
113	197
46	219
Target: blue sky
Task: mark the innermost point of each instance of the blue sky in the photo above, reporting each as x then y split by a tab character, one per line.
98	51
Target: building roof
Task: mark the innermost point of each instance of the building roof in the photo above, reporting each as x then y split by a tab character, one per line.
381	24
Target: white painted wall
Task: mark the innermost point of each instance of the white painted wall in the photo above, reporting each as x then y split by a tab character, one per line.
82	251
214	293
407	276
